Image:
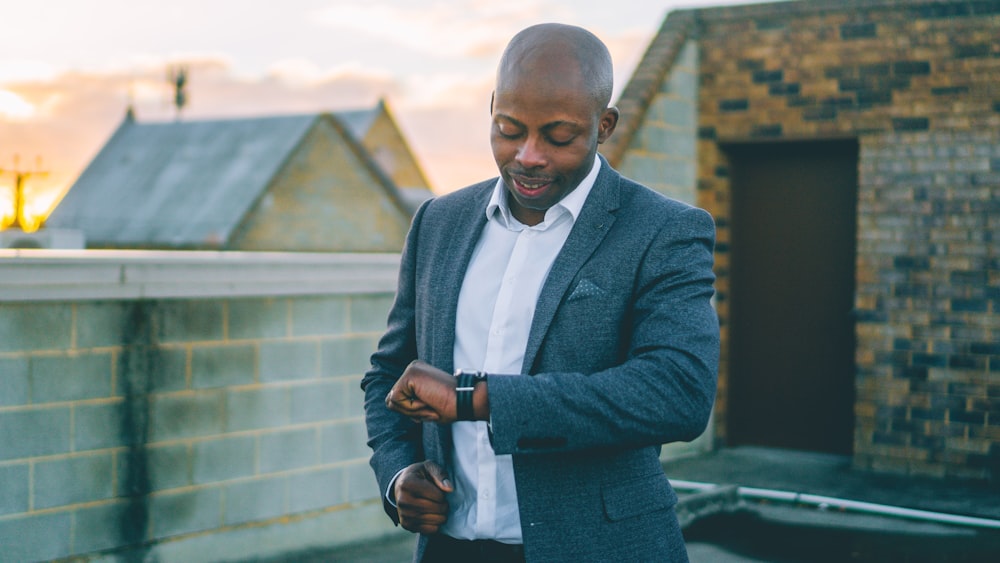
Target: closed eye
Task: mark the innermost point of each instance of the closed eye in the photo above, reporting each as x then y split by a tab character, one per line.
561	133
559	143
508	130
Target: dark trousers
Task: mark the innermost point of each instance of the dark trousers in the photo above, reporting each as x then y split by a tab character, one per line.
445	549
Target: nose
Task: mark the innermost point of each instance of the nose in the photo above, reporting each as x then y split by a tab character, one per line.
531	154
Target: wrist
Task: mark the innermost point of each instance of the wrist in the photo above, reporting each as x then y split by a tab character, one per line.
481	401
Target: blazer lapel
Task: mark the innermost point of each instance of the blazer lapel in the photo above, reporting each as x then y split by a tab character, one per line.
450	265
593	224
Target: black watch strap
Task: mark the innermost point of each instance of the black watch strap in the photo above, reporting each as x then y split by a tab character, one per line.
464	388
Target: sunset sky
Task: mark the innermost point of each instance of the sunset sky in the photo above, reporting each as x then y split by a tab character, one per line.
68	69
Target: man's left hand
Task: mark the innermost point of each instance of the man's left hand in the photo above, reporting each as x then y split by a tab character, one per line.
424	393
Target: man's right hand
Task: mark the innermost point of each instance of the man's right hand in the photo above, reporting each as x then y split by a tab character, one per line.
420	497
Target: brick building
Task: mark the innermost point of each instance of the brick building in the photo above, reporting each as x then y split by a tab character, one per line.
849	151
337	182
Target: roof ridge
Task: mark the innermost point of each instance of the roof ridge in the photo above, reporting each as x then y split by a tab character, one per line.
368	161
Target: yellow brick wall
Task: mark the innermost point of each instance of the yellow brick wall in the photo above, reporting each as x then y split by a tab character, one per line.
388	147
916	84
324	199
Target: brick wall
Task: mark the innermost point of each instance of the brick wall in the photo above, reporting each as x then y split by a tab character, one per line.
216	417
389	148
915	81
915	77
928	302
332	199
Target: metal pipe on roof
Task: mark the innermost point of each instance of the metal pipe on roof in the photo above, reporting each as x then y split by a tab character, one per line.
826	503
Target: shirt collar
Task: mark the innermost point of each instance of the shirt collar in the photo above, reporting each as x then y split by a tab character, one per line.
572	202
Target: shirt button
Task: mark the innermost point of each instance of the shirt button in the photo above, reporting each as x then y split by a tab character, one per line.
486	493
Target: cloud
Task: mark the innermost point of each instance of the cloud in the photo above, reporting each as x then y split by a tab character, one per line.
446	122
76	112
451	142
67	119
25	70
433	62
440	28
14	107
302	74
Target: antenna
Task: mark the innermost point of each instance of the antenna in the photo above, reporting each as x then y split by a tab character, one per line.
177	76
130	107
20	221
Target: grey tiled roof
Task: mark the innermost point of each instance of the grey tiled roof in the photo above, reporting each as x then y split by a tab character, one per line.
178	184
414	197
358	122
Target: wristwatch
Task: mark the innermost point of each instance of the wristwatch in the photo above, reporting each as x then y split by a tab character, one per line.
464	387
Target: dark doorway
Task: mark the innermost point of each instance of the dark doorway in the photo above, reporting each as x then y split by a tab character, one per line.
791	357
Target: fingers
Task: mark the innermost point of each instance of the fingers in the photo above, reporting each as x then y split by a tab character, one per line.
426	524
413	408
439	475
424	481
400	400
416	518
423	393
420	498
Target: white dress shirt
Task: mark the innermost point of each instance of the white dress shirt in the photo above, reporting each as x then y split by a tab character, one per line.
495	308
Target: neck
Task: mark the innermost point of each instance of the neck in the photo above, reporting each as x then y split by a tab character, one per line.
529	217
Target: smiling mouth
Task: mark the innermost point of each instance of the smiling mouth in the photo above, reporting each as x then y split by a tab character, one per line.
530	186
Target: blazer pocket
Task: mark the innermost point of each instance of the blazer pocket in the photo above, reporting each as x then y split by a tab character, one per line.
585	288
640	495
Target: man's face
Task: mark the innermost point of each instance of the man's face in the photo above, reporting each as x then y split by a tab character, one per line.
544	136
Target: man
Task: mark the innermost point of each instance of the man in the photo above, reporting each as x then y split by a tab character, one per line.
584	297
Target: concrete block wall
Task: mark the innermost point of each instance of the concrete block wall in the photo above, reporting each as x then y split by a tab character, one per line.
169	424
662	153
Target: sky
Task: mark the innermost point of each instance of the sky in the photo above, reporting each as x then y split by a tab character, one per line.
70	68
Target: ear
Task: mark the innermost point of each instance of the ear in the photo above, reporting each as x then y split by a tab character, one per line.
606	126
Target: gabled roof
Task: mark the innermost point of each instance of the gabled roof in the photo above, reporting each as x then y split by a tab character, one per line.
359	121
192	183
177	184
642	87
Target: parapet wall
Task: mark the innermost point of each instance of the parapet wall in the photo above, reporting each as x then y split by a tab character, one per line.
186	406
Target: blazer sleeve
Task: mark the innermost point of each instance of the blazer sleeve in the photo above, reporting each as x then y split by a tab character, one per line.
395	440
664	388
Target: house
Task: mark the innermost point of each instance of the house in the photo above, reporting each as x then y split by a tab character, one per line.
849	152
331	182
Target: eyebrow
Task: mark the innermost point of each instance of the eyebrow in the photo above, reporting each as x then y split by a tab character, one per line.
546	128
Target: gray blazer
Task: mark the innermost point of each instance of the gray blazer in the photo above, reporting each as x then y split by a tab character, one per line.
623	353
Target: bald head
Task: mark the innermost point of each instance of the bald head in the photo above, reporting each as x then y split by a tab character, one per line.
559	53
550	111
